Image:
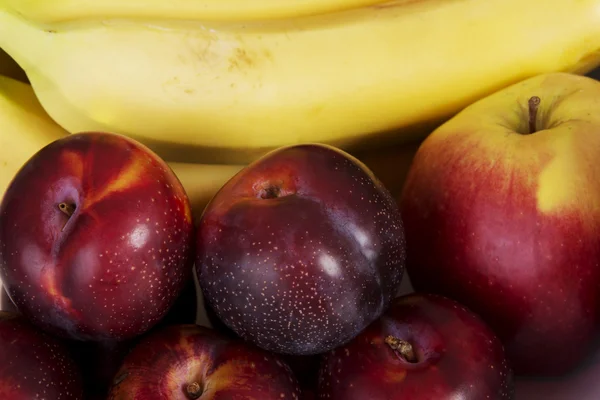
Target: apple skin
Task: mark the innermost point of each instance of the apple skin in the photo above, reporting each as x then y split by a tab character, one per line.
165	363
34	364
457	357
112	269
300	250
507	222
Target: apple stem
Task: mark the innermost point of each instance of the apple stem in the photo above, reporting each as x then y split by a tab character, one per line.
66	208
405	349
534	103
194	391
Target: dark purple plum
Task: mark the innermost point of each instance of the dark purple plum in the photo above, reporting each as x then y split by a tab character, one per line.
300	250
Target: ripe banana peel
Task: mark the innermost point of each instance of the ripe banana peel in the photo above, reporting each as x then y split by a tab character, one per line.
44	11
213	89
25	128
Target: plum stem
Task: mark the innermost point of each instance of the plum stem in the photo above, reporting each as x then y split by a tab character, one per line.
533	103
193	390
67	208
404	348
270	192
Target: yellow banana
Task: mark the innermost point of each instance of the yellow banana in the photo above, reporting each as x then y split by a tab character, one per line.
8	67
44	11
202	181
25	128
227	91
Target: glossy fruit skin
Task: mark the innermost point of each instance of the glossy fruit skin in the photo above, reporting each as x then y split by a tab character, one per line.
164	363
459	357
300	250
113	268
542	301
304	367
505	220
33	364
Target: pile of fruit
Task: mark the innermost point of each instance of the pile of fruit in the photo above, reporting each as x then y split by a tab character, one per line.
223	200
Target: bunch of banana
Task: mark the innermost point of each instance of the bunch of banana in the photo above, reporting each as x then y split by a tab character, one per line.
226	80
25	128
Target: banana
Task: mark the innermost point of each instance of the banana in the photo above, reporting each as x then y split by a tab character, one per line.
222	91
8	67
44	11
25	128
202	181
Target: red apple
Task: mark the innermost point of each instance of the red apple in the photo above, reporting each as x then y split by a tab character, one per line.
501	213
96	238
424	347
300	250
188	362
33	364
